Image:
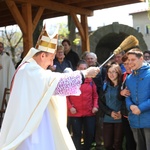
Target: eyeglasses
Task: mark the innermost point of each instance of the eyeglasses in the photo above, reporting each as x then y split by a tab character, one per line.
146	56
112	72
60	52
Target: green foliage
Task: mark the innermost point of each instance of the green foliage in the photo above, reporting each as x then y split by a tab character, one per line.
149	9
63	30
64	33
76	41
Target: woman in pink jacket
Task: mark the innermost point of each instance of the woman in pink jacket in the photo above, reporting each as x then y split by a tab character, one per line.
81	111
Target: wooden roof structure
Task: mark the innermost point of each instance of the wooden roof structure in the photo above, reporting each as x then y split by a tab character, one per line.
27	13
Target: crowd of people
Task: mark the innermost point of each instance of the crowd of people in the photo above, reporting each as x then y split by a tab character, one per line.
107	106
110	120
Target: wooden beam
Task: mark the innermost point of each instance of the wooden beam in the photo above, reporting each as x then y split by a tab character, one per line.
78	25
91	3
16	14
83	30
72	1
88	1
107	4
85	41
51	16
58	6
28	35
3	6
3	24
95	3
37	17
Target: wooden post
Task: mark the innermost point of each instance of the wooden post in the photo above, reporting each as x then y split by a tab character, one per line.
85	41
83	30
25	22
28	35
28	24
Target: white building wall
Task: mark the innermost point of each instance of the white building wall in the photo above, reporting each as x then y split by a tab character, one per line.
141	22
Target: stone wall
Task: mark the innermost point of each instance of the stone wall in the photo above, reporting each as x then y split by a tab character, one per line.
106	39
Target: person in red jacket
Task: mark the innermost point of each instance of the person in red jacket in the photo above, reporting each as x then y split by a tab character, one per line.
81	111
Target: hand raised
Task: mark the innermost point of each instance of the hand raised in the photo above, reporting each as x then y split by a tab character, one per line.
91	72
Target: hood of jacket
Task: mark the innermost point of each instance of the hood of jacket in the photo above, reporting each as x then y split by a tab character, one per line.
144	67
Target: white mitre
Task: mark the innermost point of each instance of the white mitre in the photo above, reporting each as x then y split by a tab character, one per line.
45	43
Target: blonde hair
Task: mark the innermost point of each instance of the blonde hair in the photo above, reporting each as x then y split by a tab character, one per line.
60	47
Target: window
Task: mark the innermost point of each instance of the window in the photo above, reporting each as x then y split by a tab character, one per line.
138	29
147	29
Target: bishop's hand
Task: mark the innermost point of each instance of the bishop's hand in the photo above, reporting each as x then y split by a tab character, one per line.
91	72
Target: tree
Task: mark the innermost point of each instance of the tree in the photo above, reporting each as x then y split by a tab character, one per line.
73	36
63	32
13	42
71	28
68	31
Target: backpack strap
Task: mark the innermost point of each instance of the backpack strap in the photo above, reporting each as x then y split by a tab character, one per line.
104	86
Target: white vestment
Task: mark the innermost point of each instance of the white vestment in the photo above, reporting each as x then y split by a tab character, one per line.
32	120
6	73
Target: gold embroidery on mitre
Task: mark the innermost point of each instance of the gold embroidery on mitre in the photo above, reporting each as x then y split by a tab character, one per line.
45	43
